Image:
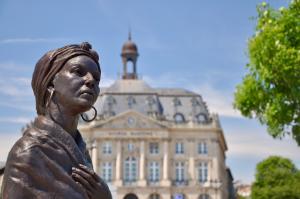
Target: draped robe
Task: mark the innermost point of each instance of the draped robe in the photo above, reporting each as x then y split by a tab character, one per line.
40	163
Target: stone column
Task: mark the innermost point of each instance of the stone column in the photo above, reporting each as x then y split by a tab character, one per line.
89	146
95	155
165	180
118	180
142	181
191	168
214	171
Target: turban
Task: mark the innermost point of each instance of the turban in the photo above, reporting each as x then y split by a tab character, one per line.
50	64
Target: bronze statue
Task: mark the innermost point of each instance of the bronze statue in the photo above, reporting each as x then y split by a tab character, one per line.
51	159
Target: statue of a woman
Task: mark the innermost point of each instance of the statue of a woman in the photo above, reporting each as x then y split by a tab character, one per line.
51	159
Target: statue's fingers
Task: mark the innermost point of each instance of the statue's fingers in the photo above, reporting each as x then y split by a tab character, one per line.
82	181
90	171
87	176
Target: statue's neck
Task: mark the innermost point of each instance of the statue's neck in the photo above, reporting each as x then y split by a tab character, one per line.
61	116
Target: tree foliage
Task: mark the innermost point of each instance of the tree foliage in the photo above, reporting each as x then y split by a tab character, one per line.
276	178
270	91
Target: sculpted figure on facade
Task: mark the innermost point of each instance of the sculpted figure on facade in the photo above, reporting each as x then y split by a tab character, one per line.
51	160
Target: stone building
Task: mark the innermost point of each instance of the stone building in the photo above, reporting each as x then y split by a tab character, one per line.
156	143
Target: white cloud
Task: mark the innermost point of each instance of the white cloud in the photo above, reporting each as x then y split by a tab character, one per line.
261	145
220	102
32	40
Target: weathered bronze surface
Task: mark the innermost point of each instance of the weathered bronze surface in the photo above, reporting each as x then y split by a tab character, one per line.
51	159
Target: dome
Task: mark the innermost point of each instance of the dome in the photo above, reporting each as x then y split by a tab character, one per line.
129	47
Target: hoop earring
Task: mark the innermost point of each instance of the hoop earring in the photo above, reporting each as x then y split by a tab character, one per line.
50	97
85	118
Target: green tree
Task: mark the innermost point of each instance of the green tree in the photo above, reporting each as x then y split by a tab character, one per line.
270	91
241	197
276	178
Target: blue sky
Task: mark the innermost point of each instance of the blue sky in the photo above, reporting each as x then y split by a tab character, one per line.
197	45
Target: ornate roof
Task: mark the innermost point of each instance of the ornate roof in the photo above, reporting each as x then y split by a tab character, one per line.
160	103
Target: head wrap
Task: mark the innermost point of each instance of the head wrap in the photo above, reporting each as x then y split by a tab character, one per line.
50	64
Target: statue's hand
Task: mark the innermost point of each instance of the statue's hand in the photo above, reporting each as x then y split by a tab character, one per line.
92	183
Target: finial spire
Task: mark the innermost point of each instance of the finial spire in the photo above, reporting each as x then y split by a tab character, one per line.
129	34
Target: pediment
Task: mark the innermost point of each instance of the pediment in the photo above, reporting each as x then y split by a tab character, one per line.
130	120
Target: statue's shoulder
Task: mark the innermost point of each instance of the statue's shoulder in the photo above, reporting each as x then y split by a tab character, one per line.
29	142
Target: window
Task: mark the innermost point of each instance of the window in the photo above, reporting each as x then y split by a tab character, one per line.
106	171
179	118
176	102
131	101
179	148
130	169
178	196
153	171
154	148
106	148
195	102
110	103
202	172
150	101
201	118
130	146
179	171
202	148
154	196
204	196
111	100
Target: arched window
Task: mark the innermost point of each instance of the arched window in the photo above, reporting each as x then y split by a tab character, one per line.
204	196
179	118
178	196
201	118
176	102
130	196
150	101
131	101
111	100
195	102
154	196
130	169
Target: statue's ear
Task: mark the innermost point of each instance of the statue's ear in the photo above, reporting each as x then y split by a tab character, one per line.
54	80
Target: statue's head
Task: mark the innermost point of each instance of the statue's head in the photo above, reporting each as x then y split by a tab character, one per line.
72	74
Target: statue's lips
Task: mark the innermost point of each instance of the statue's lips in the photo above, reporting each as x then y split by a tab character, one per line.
87	93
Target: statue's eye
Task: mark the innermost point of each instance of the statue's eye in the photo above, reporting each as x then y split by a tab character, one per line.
78	71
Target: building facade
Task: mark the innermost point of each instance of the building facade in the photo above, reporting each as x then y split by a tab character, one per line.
156	143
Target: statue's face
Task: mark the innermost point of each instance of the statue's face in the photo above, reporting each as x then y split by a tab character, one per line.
77	84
